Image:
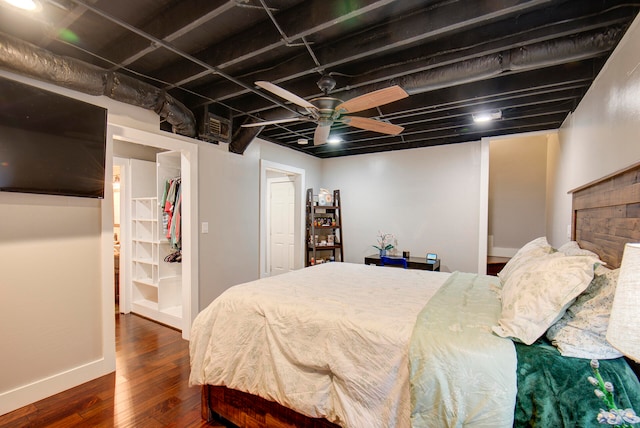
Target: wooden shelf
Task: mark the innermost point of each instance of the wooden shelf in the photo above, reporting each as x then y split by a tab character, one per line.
316	233
156	283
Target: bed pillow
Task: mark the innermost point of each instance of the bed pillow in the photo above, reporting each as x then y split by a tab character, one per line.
581	332
536	248
572	248
538	292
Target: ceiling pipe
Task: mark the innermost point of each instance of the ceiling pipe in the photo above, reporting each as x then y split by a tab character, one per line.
30	60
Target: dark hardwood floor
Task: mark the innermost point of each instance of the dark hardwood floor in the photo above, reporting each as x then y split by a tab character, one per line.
149	388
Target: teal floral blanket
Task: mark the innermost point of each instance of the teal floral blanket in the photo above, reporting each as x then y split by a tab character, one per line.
553	391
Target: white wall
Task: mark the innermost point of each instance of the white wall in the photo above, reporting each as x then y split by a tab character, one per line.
602	135
57	303
229	200
517	192
49	281
428	198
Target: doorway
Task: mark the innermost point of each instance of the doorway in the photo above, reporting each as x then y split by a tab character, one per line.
272	175
187	152
281	221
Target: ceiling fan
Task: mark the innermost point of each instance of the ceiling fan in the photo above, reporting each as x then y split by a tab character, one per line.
327	110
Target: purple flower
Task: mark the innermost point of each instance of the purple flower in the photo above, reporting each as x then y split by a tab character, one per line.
595	364
593	381
608	386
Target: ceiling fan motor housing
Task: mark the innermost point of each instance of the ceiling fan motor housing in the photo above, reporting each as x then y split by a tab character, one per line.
326	84
325	105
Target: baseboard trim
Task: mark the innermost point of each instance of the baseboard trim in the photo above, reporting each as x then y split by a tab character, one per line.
43	388
502	252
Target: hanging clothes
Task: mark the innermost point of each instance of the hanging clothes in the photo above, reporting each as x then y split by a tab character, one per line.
171	216
174	234
165	215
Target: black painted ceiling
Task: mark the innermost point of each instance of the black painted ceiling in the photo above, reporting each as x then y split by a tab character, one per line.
531	59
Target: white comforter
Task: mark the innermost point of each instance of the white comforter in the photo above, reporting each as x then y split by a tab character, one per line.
327	341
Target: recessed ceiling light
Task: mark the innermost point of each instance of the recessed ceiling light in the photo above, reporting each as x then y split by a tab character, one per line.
303	141
487	116
30	5
334	140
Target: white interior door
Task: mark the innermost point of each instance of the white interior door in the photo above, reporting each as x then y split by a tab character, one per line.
281	225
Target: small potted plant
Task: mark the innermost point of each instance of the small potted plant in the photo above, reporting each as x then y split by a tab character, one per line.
384	243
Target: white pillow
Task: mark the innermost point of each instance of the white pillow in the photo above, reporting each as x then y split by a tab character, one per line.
536	248
538	292
572	248
581	332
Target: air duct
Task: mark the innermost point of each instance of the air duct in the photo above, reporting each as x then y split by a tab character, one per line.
30	60
243	137
529	57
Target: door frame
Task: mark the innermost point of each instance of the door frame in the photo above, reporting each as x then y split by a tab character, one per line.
298	175
124	304
189	167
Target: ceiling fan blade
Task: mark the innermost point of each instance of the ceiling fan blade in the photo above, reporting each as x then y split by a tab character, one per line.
321	134
283	93
372	125
270	122
372	99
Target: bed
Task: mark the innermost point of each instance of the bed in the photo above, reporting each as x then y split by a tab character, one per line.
390	352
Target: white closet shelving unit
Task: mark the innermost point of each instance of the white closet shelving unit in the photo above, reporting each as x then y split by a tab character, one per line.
144	226
156	284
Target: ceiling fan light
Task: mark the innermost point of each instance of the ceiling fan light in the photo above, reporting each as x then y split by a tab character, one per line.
487	116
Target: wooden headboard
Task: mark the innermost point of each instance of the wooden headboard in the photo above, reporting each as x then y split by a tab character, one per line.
606	214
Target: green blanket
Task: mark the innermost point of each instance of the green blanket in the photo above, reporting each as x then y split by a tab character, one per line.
461	374
553	390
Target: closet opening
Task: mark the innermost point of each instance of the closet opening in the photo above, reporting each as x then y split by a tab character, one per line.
157	246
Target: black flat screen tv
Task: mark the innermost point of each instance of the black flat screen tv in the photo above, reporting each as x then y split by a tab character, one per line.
50	143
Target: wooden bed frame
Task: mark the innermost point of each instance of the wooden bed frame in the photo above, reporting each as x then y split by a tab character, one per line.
606	215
